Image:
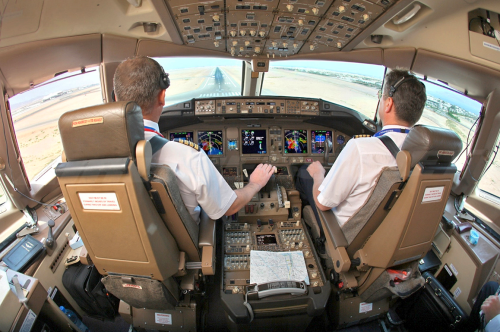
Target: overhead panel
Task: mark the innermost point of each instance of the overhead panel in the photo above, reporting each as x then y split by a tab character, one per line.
248	30
306	7
330	36
201	24
274	28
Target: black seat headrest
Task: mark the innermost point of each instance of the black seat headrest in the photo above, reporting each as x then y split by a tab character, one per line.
106	131
432	145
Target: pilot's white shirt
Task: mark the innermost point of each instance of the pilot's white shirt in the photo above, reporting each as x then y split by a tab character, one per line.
199	181
349	182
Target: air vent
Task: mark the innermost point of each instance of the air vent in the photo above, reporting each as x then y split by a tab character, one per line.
58	258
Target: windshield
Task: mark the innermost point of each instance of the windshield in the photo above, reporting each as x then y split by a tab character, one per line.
36	112
201	77
353	85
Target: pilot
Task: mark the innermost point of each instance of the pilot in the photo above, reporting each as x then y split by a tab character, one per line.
350	180
199	182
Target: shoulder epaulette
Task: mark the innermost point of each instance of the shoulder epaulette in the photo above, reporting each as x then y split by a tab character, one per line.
188	143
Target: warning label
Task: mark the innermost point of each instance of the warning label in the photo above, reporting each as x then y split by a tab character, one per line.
163	318
433	194
365	307
89	121
99	201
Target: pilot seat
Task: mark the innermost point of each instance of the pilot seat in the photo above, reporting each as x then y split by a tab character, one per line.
154	257
394	228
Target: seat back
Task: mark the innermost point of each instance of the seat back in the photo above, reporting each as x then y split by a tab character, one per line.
406	233
106	195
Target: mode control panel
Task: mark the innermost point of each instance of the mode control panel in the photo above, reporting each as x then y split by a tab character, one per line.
307	107
249	106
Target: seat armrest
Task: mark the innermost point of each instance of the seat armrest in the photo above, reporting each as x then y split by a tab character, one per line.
332	228
207	231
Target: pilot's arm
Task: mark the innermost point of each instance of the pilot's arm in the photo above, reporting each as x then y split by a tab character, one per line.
258	179
215	195
340	181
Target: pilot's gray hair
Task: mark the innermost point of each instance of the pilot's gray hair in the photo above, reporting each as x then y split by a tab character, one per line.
138	79
409	98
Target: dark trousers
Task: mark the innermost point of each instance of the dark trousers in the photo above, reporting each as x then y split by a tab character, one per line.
488	289
304	185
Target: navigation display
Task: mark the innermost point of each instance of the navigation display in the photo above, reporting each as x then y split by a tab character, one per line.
295	141
187	135
211	142
253	141
318	140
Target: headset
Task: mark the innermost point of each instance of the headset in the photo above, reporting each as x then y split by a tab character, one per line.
393	88
164	80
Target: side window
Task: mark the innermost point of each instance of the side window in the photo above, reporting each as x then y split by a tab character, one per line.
35	114
490	179
449	109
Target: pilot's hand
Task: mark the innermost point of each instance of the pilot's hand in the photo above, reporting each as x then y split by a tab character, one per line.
261	174
491	308
316	169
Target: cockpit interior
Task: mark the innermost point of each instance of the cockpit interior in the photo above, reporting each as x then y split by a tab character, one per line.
94	236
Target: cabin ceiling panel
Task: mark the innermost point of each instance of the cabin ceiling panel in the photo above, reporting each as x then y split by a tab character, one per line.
399	57
445	30
62	18
478	80
117	49
38	61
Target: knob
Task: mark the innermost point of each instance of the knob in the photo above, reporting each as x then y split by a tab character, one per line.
273	158
232	33
315	11
339	45
271	205
257	49
275	44
295	45
243	32
292	245
236	290
304	103
216	43
311	47
301	244
247	248
262	34
341	9
366	17
242	48
301	22
289	7
314	274
253	33
285	45
315	284
216	18
247	43
262	205
235	42
49	243
307	253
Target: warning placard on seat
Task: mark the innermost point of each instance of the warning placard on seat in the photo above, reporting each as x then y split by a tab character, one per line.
433	194
99	201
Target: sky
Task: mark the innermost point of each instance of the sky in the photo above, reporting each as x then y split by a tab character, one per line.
176	63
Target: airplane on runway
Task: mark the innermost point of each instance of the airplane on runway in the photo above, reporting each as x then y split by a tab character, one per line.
88	223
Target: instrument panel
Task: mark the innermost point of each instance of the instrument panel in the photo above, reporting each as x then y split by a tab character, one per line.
235	143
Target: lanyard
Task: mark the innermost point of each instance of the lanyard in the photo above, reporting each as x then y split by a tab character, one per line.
392	130
153	131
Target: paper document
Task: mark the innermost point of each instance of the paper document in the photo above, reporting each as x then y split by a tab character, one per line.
267	266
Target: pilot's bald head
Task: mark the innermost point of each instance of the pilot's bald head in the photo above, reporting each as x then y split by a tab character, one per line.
138	79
